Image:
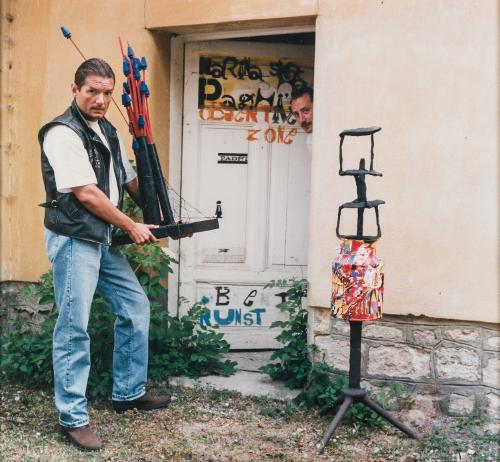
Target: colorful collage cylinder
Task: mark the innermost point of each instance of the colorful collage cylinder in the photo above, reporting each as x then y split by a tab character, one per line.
358	282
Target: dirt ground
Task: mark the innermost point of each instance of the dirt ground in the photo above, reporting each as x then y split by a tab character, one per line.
211	425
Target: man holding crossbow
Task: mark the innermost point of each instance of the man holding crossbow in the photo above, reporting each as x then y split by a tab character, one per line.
85	172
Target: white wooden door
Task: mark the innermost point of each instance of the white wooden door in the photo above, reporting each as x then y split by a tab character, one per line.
258	168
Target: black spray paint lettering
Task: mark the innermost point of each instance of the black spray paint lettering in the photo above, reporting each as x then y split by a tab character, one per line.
203	85
269	100
222	292
288	73
248	301
283	296
212	72
245	101
238	68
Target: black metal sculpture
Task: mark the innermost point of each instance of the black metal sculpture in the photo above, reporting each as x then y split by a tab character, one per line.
354	393
360	203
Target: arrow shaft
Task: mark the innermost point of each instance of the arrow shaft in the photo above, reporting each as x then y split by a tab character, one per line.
78	49
84	58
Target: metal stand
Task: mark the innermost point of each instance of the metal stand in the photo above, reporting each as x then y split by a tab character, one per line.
355	394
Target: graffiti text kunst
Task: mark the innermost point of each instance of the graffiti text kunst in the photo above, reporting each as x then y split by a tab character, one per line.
233	317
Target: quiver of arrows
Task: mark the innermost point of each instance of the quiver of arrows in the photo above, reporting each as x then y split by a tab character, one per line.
155	206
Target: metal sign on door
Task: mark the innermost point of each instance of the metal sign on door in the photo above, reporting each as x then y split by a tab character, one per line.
242	147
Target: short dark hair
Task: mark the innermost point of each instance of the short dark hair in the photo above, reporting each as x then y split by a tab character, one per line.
298	92
93	66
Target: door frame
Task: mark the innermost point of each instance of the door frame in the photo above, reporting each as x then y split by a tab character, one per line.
176	100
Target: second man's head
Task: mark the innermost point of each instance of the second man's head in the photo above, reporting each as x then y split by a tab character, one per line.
302	108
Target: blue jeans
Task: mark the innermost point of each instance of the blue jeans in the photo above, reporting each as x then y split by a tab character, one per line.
80	269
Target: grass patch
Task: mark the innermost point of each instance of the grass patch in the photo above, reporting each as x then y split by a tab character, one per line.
208	425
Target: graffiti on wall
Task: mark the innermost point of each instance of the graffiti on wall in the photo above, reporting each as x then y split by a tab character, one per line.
252	90
275	134
234	307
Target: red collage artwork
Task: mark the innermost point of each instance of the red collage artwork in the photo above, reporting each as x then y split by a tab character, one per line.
358	282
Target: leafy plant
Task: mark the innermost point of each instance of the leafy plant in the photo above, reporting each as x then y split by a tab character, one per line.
27	355
293	363
295	368
182	346
319	390
179	345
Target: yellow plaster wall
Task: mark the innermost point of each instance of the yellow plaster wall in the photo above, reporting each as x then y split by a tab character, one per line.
38	66
427	72
188	16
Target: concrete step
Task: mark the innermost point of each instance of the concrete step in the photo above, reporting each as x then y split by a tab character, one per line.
247	380
250	361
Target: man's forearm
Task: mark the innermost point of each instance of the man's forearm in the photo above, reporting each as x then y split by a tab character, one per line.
94	200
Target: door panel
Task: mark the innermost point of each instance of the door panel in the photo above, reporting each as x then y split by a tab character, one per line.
289	204
229	243
242	147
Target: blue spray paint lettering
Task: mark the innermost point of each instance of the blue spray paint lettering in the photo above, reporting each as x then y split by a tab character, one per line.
237	317
258	312
224	321
205	319
233	317
248	321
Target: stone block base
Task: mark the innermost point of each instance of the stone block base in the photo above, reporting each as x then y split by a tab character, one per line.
452	366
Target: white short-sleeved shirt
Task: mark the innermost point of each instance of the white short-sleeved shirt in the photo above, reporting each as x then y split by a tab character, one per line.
69	160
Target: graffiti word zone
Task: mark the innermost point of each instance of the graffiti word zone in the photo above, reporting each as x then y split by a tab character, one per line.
273	135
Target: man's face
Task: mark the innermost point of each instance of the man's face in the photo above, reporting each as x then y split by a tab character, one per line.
94	96
302	109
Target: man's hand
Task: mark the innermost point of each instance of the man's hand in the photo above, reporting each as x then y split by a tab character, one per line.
180	236
140	233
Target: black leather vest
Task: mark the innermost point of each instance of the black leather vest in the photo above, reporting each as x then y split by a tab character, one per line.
64	213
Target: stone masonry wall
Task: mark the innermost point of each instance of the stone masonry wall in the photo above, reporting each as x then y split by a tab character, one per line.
453	366
13	303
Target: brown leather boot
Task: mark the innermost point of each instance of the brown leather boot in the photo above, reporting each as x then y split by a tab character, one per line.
84	437
146	402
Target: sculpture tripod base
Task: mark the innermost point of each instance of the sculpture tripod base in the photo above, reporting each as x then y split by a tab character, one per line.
355	394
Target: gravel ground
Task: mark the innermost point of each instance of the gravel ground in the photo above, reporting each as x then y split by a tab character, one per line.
211	425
